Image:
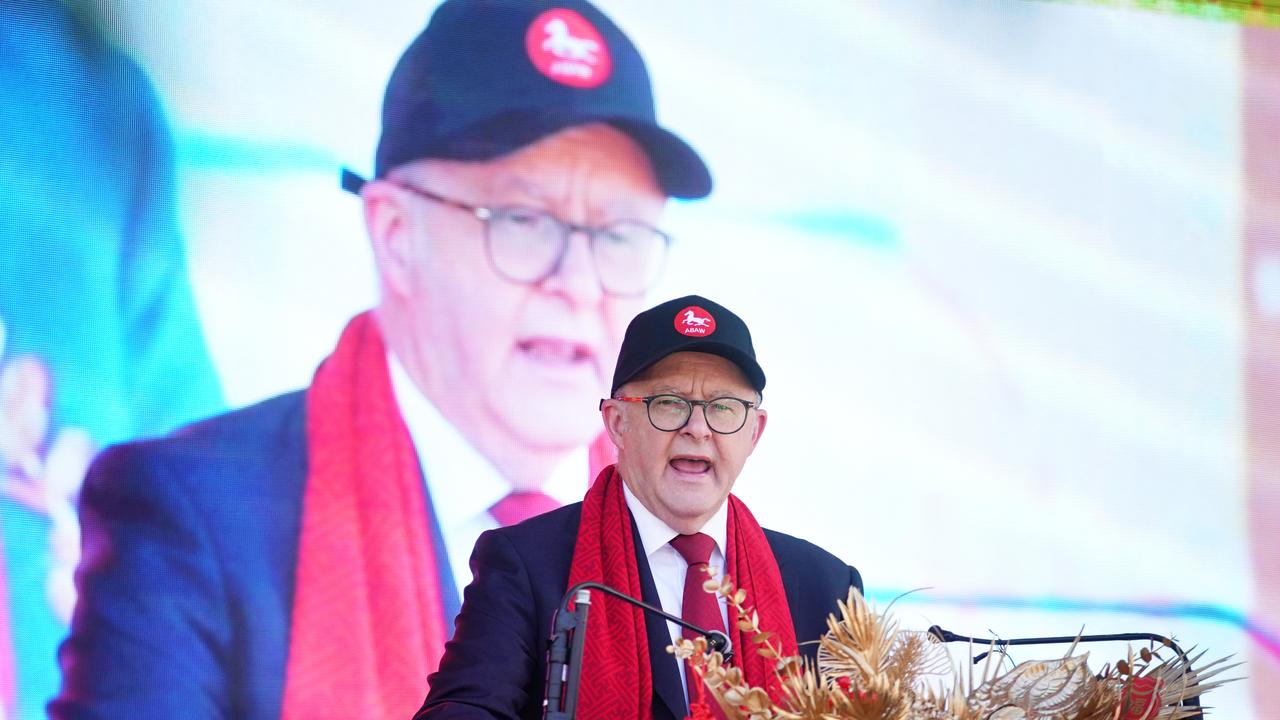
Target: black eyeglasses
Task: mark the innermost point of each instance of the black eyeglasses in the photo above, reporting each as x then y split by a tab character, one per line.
669	413
528	245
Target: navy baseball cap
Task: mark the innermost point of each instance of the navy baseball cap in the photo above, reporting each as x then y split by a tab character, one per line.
487	77
688	324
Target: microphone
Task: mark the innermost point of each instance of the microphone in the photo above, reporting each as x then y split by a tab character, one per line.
946	636
564	668
565	625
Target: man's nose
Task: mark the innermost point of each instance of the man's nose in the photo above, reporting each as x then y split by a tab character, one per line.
575	276
697	426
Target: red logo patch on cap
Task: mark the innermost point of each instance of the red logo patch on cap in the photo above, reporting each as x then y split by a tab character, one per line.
695	322
568	49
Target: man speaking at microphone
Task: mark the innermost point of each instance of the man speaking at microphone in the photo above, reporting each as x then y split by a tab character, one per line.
685	415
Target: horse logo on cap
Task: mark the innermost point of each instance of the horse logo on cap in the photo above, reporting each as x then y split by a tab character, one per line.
567	48
695	322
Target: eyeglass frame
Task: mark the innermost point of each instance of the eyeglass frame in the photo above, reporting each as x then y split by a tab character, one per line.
486	214
648	400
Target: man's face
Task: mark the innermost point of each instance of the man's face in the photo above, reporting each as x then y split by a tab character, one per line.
683	477
511	362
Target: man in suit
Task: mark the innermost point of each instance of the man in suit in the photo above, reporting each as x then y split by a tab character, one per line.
684	415
299	558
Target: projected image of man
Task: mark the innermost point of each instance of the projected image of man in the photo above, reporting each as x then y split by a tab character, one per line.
303	557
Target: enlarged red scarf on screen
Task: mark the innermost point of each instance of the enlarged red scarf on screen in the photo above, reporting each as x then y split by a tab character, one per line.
367	623
619	681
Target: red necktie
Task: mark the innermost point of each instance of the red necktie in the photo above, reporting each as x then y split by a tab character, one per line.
699	606
520	506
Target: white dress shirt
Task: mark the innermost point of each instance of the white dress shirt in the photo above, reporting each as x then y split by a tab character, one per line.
669	566
461	483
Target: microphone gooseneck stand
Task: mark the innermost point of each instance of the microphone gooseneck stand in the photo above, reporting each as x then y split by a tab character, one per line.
564	666
947	636
565	625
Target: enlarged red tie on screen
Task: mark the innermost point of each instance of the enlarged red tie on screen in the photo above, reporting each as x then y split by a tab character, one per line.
699	606
520	506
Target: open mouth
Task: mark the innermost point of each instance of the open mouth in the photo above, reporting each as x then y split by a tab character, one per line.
555	351
692	465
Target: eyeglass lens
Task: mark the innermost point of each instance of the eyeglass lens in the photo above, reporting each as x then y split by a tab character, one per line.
527	245
724	415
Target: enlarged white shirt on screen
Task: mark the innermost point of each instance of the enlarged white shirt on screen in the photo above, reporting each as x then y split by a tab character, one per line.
461	483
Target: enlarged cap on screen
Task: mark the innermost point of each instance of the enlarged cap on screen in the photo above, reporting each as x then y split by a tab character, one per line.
487	77
688	324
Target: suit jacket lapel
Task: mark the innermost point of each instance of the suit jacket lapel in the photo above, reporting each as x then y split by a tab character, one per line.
667	690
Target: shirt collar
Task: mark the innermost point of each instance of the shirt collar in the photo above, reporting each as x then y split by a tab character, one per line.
656	534
461	482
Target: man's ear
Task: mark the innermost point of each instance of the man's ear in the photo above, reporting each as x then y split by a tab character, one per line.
386	220
615	421
757	429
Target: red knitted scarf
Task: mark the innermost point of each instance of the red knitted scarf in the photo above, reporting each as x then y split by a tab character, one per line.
367	623
620	681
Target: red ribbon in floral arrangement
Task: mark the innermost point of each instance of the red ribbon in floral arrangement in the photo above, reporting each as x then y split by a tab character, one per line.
701	709
1141	699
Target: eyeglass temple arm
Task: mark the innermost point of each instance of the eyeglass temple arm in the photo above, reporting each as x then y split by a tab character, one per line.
351	182
624	399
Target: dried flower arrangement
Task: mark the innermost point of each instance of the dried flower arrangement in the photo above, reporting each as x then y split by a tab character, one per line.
868	669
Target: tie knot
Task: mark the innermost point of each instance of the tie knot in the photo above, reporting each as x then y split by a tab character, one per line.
695	549
520	506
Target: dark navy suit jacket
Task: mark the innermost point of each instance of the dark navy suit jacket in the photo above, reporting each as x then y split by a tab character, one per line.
495	665
186	587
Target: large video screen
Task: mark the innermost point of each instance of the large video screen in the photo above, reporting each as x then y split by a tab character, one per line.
1012	269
